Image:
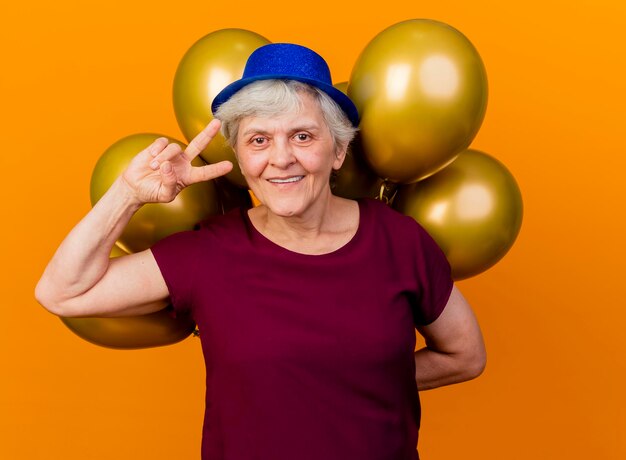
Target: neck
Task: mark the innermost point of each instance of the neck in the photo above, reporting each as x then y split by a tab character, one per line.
321	230
311	224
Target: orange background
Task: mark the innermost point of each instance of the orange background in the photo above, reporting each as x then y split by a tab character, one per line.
76	78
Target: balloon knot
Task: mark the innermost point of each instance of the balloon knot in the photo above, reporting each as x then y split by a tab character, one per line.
388	191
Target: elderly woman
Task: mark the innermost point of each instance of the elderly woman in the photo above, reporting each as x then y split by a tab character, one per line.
307	304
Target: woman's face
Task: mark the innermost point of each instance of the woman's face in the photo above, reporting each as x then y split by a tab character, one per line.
287	159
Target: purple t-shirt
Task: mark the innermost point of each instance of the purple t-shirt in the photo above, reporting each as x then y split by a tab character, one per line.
308	357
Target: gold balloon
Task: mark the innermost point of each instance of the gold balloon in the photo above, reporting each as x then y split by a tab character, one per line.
230	196
131	332
472	208
355	179
421	91
342	86
211	63
154	221
143	331
117	251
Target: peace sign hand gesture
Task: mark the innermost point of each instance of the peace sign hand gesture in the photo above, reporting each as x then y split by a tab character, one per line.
158	173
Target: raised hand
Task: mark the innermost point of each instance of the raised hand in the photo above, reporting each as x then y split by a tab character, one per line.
158	173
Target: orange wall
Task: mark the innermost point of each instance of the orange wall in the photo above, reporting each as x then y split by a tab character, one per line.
76	78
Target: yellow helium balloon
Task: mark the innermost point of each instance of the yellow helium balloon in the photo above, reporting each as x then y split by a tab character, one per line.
117	251
154	221
212	63
132	332
421	90
472	208
230	196
355	179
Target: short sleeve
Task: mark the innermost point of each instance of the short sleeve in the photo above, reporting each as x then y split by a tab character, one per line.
434	278
177	258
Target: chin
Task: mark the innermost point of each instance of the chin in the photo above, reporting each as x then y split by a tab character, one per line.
284	211
285	208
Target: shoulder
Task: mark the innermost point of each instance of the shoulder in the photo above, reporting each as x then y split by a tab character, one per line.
400	229
377	207
232	222
381	214
212	231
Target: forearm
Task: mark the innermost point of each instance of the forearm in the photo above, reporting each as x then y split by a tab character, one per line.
83	257
435	369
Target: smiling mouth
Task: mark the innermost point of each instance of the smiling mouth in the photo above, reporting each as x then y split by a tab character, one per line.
287	180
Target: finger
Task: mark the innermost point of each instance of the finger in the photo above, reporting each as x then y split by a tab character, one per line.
157	146
199	143
208	172
168	181
150	151
167	154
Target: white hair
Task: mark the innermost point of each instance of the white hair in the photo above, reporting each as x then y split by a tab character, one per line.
269	98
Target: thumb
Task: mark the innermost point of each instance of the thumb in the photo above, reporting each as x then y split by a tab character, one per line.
211	171
168	181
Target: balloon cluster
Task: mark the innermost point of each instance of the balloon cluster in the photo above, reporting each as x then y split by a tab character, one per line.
421	90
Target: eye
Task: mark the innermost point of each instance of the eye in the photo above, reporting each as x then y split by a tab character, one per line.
258	140
302	137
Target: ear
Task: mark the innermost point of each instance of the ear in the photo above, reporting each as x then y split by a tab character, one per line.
340	156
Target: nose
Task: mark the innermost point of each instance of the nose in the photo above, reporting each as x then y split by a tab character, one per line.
282	154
